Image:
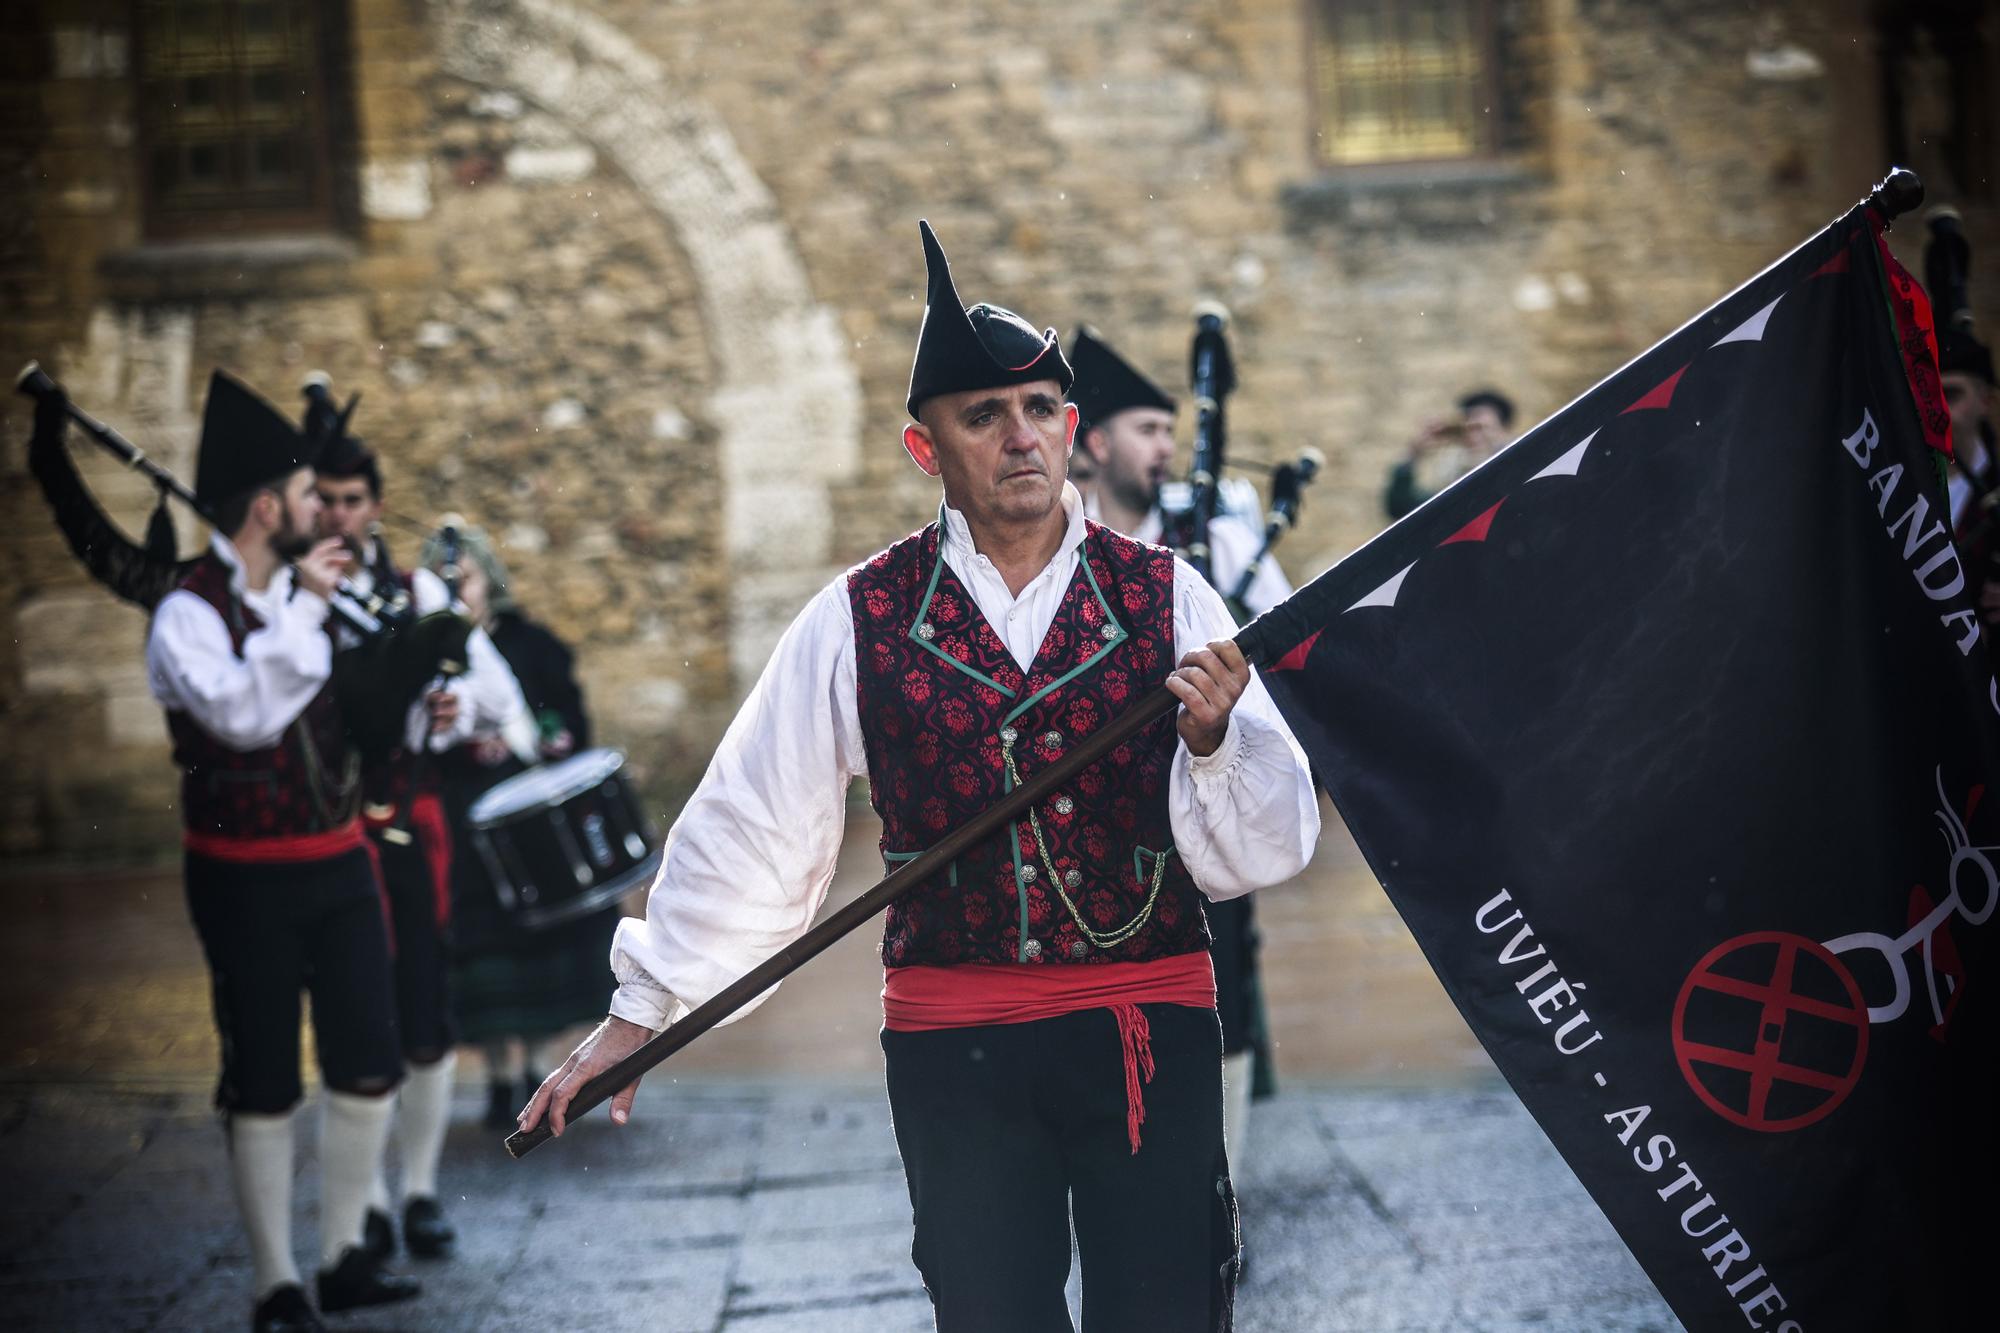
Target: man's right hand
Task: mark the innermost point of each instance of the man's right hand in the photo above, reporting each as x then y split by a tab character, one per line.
1435	431
320	568
611	1041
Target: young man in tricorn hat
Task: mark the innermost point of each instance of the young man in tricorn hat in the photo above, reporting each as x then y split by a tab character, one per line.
279	880
1126	425
403	812
1049	1003
1125	428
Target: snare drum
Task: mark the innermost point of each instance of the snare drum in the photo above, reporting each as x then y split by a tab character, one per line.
563	841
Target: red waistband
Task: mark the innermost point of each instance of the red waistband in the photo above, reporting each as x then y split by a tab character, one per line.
291	847
926	999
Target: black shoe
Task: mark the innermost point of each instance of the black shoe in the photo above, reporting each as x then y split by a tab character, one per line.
285	1310
426	1233
378	1235
501	1108
359	1279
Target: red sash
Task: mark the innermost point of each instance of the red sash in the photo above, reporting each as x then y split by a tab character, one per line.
930	999
284	849
427	818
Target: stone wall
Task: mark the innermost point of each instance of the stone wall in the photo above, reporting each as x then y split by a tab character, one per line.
634	285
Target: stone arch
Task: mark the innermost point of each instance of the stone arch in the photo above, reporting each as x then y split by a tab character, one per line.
787	399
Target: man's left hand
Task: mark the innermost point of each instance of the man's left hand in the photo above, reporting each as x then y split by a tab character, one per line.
1208	682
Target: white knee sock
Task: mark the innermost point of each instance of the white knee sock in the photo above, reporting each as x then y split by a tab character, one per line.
260	1163
353	1132
1236	1111
423	1109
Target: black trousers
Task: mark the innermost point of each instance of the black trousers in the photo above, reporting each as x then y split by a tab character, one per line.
422	925
273	931
1008	1132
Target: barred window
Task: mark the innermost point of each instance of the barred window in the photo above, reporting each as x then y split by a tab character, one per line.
1401	80
234	118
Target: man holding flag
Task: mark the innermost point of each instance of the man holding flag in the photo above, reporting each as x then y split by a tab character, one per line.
1050	1030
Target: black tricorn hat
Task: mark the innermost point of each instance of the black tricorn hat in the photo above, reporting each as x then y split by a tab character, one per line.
1107	384
981	348
1958	350
337	451
245	442
324	422
344	455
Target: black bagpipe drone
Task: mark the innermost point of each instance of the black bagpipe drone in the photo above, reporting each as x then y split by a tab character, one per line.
392	652
1188	510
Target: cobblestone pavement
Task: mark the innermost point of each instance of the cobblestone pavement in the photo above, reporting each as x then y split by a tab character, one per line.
1393	1184
732	1206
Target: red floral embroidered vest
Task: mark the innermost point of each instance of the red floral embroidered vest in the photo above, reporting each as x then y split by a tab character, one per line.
944	708
302	785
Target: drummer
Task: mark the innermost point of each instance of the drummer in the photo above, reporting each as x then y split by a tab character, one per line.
516	989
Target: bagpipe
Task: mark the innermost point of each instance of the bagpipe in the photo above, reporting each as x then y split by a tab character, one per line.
1189	510
393	653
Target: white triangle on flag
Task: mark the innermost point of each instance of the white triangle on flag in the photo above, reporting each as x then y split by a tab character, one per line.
1750	330
1386	594
1567	465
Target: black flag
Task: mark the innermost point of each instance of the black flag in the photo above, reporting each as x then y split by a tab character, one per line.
1672	735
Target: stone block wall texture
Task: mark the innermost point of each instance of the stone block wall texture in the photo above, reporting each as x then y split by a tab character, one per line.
634	285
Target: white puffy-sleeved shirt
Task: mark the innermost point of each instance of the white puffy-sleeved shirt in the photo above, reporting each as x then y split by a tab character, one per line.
749	862
247	702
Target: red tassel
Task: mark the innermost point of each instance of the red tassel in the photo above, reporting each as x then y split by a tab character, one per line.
1135	1035
382	893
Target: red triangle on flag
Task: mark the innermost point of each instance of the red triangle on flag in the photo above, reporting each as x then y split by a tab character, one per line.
1476	530
1661	395
1837	264
1295	660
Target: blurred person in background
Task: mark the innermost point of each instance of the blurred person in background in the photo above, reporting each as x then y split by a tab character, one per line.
1966	368
1973	480
403	811
516	989
1126	430
280	883
1447	448
1127	426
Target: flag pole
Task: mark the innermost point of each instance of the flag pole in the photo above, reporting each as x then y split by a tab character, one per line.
1897	193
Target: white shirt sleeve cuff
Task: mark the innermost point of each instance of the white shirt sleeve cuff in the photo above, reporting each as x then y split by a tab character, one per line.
648	1006
1212	770
309	606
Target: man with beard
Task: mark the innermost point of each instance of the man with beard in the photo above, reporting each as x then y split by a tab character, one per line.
1126	429
1127	425
1049	1003
404	814
279	880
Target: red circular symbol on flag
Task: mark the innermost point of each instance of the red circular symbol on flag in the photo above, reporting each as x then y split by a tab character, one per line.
1740	1058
